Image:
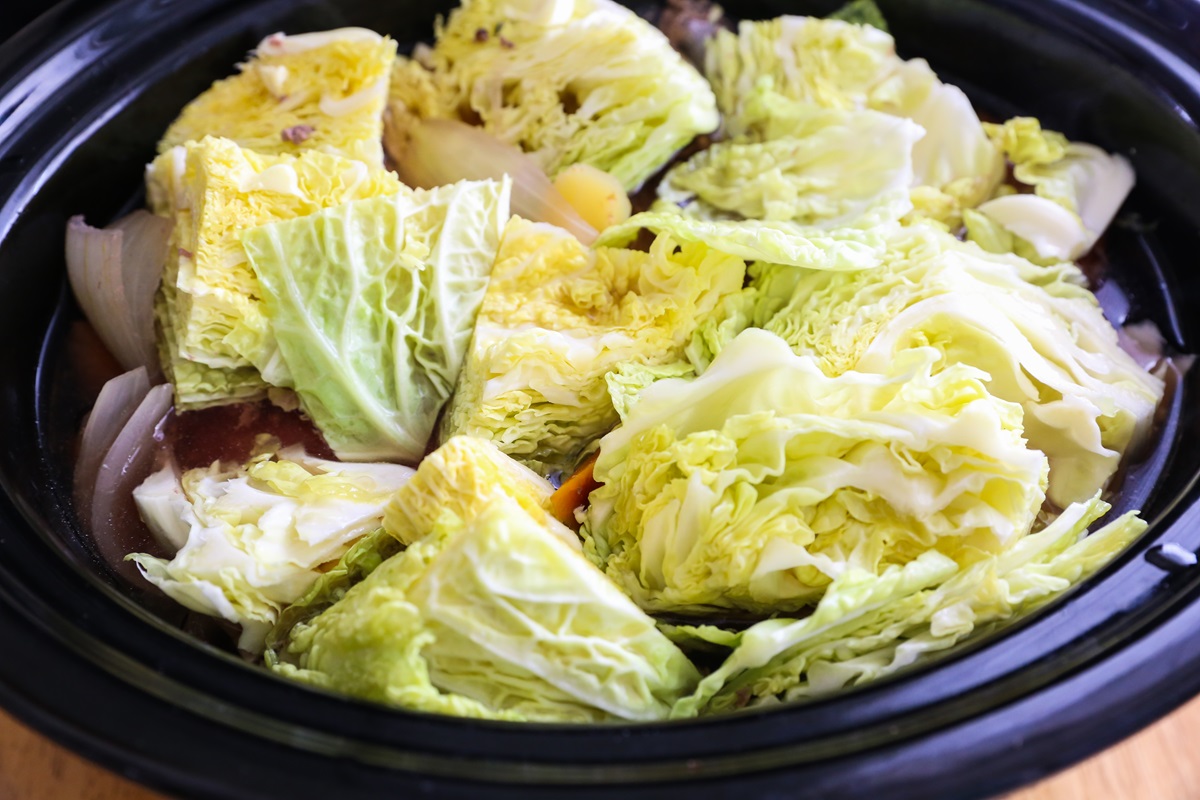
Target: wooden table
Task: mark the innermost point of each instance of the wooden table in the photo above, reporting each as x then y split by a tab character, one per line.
1160	763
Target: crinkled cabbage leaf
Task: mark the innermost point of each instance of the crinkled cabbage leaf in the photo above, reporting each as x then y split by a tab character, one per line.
252	539
462	477
830	168
1036	331
373	304
217	345
868	626
757	484
492	617
320	91
776	242
770	68
569	81
558	317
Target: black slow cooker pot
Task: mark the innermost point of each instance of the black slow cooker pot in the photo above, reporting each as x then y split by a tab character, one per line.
88	89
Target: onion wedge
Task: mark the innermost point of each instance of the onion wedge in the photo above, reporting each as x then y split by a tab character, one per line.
437	152
118	450
114	274
114	406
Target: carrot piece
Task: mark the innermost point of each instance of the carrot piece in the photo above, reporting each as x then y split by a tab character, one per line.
574	492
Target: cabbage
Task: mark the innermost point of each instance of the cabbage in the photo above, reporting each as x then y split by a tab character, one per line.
773	67
569	81
492	617
557	317
1078	189
861	12
253	539
462	477
760	482
869	626
831	167
217	345
373	303
1038	334
776	242
322	91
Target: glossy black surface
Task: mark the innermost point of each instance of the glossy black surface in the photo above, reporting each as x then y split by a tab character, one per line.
87	94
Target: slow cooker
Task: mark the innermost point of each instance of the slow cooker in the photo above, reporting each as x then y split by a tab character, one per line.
85	92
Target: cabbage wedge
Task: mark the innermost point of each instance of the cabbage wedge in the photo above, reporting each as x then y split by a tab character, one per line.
804	61
1036	331
757	484
867	626
462	477
492	617
217	344
252	539
373	303
569	81
317	91
557	317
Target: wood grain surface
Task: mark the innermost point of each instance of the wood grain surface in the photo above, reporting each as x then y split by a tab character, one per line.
1160	763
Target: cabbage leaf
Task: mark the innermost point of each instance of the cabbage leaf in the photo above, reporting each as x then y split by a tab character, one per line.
773	67
1078	189
373	304
316	91
462	477
252	539
492	617
867	626
557	317
217	345
760	482
830	168
775	242
1036	331
569	81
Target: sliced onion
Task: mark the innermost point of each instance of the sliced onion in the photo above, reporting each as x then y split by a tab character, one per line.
1143	342
117	401
437	152
114	273
128	462
118	450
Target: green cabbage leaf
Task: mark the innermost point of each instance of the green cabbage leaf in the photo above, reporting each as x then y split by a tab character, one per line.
569	81
769	69
492	617
253	539
771	241
829	168
1078	189
373	304
869	626
757	484
1036	331
558	317
462	477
